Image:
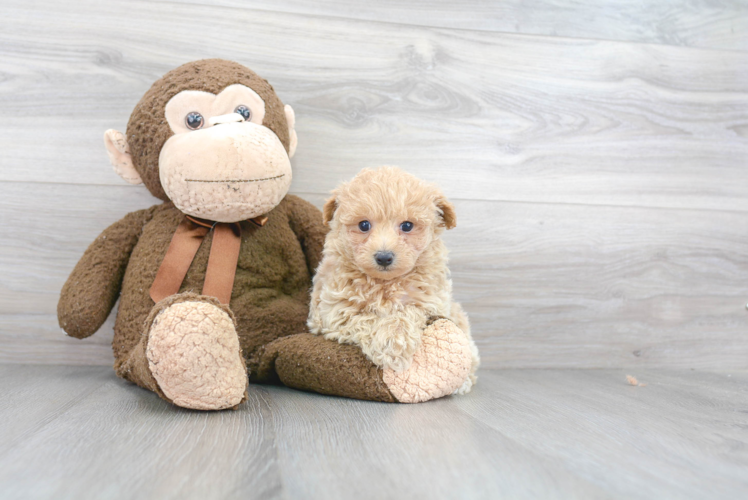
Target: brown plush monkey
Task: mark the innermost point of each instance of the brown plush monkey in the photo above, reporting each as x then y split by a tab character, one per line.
213	283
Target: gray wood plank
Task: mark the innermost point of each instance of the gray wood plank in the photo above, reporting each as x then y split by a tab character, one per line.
337	448
683	435
490	116
37	338
708	24
121	441
519	434
545	285
550	285
34	395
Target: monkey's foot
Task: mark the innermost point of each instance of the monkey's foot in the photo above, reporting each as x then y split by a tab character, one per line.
441	366
194	354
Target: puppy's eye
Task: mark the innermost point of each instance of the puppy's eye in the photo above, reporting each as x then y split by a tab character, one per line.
244	111
194	120
406	226
364	226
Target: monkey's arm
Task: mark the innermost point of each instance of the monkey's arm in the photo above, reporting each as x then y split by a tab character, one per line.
93	287
306	222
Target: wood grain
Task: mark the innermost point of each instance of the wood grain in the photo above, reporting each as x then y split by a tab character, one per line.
636	441
567	285
490	116
707	24
406	451
545	285
78	432
33	396
121	441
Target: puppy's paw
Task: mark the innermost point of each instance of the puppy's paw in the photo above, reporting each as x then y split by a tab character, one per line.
394	343
395	360
466	386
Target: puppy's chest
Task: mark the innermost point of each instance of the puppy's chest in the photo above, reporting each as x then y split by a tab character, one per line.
389	299
410	296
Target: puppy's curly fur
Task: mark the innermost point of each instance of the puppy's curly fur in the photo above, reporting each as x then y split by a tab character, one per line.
381	281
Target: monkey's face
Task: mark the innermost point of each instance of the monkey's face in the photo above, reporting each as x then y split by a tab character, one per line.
211	136
221	163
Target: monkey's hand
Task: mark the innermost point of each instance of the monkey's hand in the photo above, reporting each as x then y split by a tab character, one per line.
93	287
440	366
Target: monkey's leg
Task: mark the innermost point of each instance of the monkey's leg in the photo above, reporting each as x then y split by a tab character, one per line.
312	363
440	366
189	354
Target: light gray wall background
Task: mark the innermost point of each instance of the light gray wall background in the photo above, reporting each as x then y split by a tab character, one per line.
596	155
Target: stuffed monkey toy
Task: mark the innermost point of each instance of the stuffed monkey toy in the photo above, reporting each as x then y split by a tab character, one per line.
214	282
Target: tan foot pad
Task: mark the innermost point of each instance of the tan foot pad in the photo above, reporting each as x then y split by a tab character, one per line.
194	355
440	366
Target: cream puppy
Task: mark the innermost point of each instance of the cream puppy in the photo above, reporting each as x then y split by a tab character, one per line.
384	275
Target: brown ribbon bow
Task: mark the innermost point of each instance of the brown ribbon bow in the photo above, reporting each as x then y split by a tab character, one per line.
224	255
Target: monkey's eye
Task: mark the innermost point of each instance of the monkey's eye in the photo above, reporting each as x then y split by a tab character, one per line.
194	120
244	111
364	226
406	226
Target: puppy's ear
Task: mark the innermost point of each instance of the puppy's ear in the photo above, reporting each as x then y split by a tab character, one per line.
446	211
329	210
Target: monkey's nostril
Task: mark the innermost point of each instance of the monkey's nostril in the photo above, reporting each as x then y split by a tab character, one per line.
384	258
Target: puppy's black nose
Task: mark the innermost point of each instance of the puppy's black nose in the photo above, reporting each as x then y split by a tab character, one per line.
384	258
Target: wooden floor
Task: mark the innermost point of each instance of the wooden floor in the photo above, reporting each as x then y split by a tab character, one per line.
79	432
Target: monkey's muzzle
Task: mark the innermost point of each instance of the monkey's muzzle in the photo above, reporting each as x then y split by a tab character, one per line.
234	172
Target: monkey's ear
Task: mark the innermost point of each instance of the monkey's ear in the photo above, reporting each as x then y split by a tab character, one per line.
119	154
292	140
447	212
329	210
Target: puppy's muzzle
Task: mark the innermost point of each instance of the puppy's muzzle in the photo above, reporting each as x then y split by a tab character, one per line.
384	259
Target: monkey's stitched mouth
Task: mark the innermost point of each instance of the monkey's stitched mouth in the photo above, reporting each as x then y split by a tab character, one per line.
236	180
